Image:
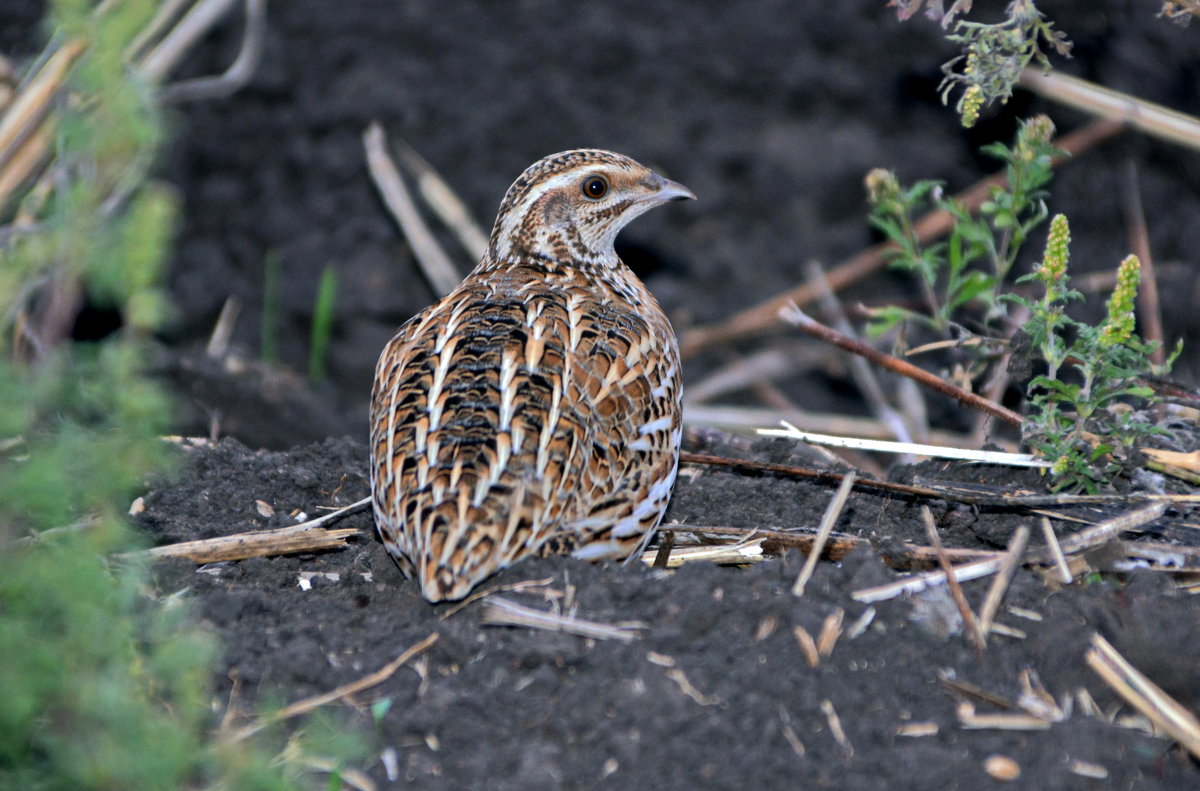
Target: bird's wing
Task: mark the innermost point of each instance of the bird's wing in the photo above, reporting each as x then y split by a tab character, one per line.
471	439
510	420
625	377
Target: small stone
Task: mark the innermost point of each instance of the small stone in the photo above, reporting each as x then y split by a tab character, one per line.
1002	767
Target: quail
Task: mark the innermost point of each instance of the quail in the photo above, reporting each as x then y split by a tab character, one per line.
536	408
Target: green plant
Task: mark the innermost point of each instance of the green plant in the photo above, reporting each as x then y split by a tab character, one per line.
973	263
994	55
272	279
1081	419
322	324
104	686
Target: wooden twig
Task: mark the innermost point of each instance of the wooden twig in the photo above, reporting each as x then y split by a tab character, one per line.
503	612
662	556
956	591
256	543
239	72
836	730
748	550
837	545
309	704
808	646
1149	314
919	582
1129	521
1144	695
196	23
914	448
929	227
741	418
810	326
305	537
1146	117
1008	565
832	511
439	270
1056	554
831	630
862	373
947	492
222	333
442	199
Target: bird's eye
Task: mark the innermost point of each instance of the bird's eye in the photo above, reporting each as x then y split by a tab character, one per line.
595	187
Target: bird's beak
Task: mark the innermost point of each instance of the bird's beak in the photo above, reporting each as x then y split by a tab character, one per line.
673	190
667	191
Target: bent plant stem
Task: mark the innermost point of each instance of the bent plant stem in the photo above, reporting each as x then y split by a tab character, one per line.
815	329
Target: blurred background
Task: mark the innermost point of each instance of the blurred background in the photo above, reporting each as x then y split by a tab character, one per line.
772	112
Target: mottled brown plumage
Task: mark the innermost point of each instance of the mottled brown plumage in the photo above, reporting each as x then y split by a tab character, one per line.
536	408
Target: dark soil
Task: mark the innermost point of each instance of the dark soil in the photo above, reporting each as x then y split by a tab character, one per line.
772	112
703	699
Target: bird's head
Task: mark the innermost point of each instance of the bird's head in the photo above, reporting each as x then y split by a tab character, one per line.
570	207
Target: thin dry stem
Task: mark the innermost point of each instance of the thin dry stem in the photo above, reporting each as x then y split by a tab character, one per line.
218	341
309	704
439	270
810	326
831	631
239	72
1131	521
304	537
919	582
196	23
503	612
1008	565
835	728
808	646
832	511
1114	106
862	373
946	492
443	200
956	590
1149	313
908	448
1144	695
740	418
1056	554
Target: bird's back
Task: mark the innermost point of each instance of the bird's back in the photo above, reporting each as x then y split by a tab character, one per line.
529	411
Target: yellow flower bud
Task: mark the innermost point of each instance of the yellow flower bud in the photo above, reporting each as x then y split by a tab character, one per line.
882	185
972	102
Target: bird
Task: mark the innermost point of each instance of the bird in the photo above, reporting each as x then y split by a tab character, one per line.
536	409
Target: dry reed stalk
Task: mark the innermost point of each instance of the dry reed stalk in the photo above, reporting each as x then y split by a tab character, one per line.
439	270
1144	695
1114	106
309	704
502	612
1008	566
956	591
832	511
